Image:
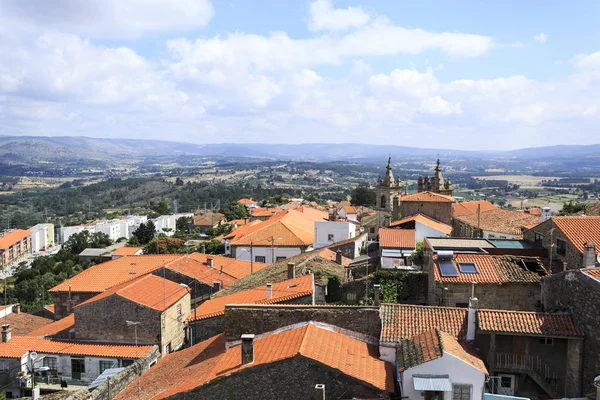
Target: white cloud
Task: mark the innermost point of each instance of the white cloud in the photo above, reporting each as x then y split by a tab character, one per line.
323	17
438	106
541	38
112	18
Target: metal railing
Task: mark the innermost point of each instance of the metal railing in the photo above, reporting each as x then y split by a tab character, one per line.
528	363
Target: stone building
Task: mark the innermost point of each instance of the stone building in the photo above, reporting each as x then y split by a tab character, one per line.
157	306
565	239
436	183
499	282
497	223
386	190
430	204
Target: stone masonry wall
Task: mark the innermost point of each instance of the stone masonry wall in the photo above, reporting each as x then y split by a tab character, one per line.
573	257
257	319
436	210
61	302
510	296
293	378
579	295
206	328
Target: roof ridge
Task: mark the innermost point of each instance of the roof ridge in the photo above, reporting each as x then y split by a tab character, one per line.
422	306
440	340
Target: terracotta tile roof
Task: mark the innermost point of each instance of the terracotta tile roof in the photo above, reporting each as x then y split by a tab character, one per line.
592	272
402	321
238	222
579	230
190	368
242	230
425	220
349	209
290	228
470	207
431	345
397	238
98	278
247	202
20	345
264	212
427	197
55	327
230	266
281	292
127	251
528	323
493	269
208	219
23	324
50	308
13	237
330	255
500	220
149	290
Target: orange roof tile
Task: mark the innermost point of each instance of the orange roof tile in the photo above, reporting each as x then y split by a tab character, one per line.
208	219
397	238
238	222
427	197
427	221
20	345
528	323
149	290
289	228
55	327
592	272
98	278
13	237
230	266
247	202
401	321
349	209
188	369
500	220
492	269
281	292
242	230
331	255
127	251
22	324
50	308
471	207
579	230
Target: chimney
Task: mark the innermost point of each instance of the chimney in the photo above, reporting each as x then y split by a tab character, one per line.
589	255
319	392
564	266
6	333
203	249
376	289
471	321
209	261
269	291
338	257
331	213
16	308
395	208
247	349
387	221
291	270
216	286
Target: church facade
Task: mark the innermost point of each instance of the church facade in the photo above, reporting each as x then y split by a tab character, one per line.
387	189
436	183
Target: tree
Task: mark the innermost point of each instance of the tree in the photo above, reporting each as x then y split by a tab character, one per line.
214	247
162	208
179	181
417	257
84	240
572	208
163	245
362	195
235	210
145	232
183	224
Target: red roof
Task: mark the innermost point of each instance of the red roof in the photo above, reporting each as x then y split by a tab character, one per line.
492	269
500	220
397	238
527	323
246	202
149	290
401	321
22	324
20	345
427	221
471	207
231	266
13	237
349	209
426	197
55	327
198	365
579	230
127	251
281	292
331	255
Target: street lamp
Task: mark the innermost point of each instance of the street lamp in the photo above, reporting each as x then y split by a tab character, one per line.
135	325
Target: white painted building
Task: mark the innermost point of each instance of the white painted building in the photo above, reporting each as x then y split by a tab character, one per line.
65	232
167	223
424	227
267	254
111	228
42	237
329	232
114	228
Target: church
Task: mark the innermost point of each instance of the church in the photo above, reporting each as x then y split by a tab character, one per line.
436	183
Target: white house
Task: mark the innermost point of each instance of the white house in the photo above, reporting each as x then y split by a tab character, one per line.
42	237
111	228
434	363
424	226
348	212
395	246
167	223
329	232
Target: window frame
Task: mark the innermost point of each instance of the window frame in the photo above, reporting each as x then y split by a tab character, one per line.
561	247
462	387
105	362
547	341
46	362
4	366
260	259
538	238
330	237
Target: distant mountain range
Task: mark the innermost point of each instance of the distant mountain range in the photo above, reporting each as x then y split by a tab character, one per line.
38	148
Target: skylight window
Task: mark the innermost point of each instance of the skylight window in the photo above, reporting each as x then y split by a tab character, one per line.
467	268
447	268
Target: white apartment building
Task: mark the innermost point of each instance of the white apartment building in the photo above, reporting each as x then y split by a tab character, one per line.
167	223
42	237
114	228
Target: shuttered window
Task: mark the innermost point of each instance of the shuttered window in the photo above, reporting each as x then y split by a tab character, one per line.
461	392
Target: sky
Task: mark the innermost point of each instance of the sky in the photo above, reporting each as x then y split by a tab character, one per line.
437	74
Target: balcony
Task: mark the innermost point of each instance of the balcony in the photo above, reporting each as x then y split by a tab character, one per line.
534	366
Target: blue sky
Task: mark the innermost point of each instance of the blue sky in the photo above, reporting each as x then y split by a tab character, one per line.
454	74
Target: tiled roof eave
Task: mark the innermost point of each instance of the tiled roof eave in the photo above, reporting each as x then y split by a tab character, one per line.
546	334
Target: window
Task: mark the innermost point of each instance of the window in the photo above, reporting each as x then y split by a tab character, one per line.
9	395
547	341
330	237
178	310
383	204
467	267
104	365
538	238
168	348
126	363
50	362
561	247
279	258
461	392
4	366
371	230
260	259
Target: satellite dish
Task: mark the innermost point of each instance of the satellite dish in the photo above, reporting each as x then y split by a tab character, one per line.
33	355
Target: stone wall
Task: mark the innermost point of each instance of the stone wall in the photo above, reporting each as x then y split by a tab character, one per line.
257	319
573	257
62	305
579	295
508	296
414	288
293	378
436	210
202	290
206	328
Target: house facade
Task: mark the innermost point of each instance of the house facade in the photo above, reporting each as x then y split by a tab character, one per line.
433	205
424	227
15	246
497	223
42	237
395	247
329	232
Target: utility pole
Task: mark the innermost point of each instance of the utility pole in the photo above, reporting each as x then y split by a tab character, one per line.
135	324
251	258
